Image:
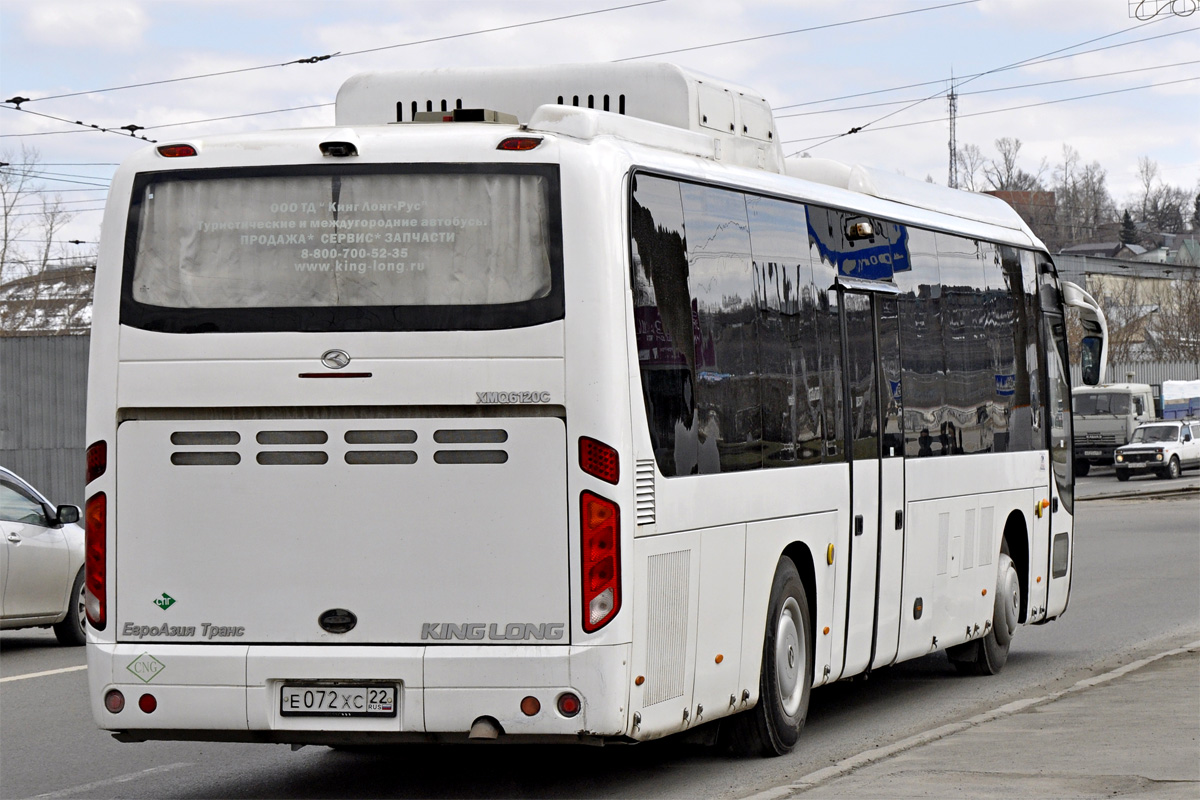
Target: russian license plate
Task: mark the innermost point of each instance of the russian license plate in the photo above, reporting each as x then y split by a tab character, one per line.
329	700
1091	452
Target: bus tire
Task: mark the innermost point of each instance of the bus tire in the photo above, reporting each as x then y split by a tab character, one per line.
772	727
988	654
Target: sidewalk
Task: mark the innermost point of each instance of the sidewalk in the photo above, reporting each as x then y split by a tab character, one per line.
1103	485
1132	734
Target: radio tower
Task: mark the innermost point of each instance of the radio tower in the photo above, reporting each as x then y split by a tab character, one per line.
952	180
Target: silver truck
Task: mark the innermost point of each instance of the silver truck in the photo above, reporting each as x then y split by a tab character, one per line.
1105	417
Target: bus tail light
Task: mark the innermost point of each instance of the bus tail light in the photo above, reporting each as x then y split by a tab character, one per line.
97	460
599	460
95	553
519	143
114	701
600	523
176	150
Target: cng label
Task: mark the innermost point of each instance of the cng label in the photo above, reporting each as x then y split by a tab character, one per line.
164	602
146	667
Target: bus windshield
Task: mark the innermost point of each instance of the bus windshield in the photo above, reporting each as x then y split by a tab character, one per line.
237	242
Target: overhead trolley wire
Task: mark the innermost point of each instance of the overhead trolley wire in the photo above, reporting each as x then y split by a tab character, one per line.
1021	65
317	59
1001	110
237	116
990	91
798	30
860	128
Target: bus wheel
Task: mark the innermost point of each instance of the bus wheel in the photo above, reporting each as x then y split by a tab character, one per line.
987	655
772	727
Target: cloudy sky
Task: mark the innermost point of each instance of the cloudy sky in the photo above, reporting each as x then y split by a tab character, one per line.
1083	73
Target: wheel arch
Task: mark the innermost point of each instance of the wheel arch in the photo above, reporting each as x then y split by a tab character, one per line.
802	557
1016	534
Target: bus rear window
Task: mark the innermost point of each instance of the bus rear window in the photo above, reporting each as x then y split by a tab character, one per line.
434	247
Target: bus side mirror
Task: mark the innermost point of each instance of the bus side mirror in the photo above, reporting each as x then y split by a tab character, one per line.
1089	357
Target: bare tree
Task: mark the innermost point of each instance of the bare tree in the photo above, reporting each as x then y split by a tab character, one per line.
1083	203
970	167
1003	174
1176	326
1147	177
30	252
1164	208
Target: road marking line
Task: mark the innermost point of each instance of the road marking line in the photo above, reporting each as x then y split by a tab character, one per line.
848	765
111	781
42	674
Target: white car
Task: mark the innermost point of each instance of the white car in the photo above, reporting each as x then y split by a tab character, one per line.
1166	448
41	562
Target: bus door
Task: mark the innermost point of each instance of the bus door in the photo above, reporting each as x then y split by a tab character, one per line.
870	336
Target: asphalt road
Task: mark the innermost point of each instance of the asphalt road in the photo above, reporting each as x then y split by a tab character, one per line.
1137	569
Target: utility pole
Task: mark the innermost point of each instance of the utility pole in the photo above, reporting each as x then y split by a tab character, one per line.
952	179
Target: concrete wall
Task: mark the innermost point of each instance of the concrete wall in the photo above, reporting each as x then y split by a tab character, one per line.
43	405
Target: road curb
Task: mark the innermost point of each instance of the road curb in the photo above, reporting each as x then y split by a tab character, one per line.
1140	494
855	762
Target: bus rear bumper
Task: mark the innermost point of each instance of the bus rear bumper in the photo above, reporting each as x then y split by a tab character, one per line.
234	693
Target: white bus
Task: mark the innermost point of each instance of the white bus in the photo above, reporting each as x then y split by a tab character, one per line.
556	405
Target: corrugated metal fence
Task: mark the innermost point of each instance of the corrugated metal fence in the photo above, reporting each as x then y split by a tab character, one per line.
1151	372
43	408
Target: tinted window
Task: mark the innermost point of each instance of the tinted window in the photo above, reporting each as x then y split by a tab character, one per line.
970	382
830	331
1059	406
721	280
665	324
922	367
889	361
860	375
1030	426
354	247
789	341
997	329
873	257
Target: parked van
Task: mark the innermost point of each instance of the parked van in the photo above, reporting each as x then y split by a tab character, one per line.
1105	417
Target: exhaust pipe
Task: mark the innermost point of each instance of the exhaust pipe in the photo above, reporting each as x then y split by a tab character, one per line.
485	728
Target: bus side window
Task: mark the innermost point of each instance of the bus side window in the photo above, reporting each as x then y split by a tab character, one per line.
922	364
829	330
722	287
788	340
663	320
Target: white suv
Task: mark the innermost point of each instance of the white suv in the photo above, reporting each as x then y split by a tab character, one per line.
1166	447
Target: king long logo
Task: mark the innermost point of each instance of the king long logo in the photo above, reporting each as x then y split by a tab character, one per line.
474	631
